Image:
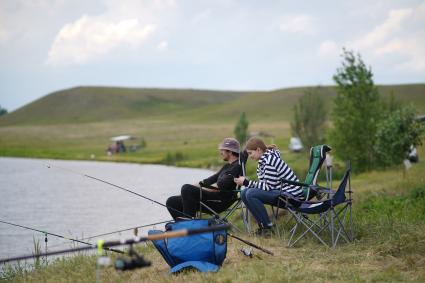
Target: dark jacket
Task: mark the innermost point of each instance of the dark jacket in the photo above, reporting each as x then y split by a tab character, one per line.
224	177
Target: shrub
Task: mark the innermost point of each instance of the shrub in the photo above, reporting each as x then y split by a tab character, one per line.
395	135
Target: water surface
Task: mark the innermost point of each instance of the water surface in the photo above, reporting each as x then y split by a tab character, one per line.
61	200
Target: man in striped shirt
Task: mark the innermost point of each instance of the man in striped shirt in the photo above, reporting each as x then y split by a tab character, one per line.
271	169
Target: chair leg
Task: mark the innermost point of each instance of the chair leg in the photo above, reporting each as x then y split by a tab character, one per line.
341	225
246	218
232	209
351	223
309	225
218	216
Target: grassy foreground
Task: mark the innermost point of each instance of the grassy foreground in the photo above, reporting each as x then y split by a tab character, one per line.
389	222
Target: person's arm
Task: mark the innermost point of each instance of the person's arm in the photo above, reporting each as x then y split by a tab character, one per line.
267	183
225	180
271	178
210	180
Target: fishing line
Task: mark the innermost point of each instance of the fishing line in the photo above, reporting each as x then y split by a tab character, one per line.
119	187
154	201
104	245
56	235
128	229
119	231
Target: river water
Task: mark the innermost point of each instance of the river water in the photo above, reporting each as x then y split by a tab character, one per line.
54	196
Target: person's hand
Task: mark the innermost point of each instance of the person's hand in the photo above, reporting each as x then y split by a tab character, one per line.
239	181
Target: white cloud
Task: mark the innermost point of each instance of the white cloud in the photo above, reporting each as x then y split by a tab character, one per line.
411	49
329	48
298	24
89	38
202	17
408	45
387	29
400	38
163	46
4	35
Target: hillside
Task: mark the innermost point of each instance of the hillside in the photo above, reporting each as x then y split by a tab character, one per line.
180	127
96	104
89	104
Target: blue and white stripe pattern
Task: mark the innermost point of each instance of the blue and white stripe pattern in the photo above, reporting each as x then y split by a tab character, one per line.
271	169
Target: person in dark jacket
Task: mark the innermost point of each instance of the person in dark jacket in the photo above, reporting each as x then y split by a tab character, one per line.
217	191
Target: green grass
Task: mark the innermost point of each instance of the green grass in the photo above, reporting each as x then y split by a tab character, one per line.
389	246
94	104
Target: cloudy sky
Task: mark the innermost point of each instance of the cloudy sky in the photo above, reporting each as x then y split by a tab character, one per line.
48	45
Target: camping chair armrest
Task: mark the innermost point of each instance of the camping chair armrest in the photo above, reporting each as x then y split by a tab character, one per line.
320	189
314	187
209	187
295	183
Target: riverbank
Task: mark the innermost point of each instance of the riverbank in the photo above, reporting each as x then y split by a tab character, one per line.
389	226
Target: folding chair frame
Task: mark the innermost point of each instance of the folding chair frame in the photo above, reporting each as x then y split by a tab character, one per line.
332	219
310	183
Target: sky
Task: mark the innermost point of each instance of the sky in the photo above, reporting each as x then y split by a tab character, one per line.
49	45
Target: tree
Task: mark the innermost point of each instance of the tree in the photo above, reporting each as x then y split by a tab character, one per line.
396	134
356	112
241	129
309	118
3	111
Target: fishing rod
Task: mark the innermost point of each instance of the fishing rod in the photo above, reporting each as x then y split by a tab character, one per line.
116	186
107	245
56	235
127	229
250	244
154	201
123	230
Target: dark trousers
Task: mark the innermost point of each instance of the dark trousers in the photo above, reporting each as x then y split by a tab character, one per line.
189	202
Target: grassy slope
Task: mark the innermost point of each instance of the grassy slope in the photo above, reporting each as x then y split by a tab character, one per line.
76	123
88	104
94	104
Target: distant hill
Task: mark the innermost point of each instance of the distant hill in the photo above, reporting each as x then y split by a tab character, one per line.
91	104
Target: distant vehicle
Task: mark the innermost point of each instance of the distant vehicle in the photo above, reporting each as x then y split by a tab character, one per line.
412	155
295	144
118	145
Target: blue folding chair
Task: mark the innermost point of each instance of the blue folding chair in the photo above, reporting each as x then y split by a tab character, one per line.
318	155
318	217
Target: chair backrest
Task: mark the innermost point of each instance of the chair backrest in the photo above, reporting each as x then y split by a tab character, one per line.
339	195
243	157
317	157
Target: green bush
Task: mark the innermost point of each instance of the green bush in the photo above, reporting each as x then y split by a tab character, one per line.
241	129
357	110
395	135
3	111
171	158
309	119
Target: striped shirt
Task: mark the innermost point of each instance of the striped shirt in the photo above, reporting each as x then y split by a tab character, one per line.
271	169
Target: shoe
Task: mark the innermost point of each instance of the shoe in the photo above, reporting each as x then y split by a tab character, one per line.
266	232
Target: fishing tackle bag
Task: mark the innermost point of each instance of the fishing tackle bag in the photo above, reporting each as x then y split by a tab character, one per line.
204	252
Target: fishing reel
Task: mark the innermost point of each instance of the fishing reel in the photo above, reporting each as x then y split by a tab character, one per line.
135	261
